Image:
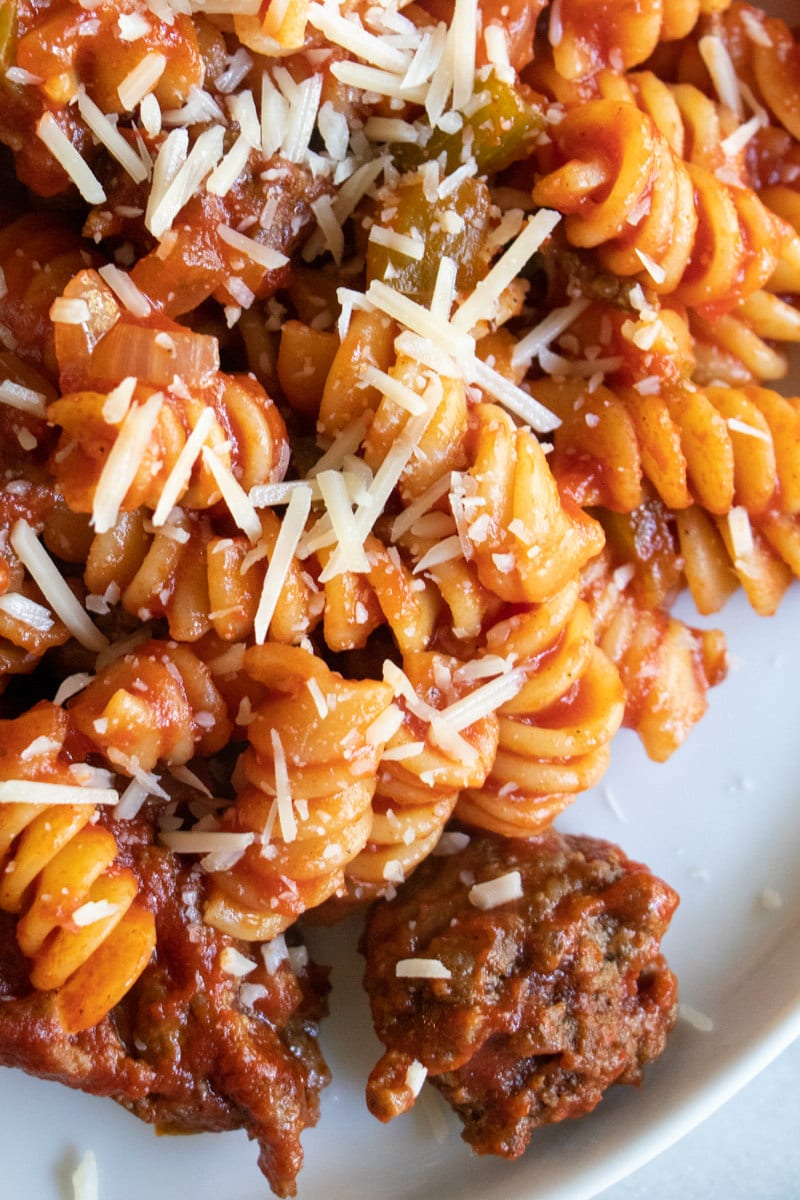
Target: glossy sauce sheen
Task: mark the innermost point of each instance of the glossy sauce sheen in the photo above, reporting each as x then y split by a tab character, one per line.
552	997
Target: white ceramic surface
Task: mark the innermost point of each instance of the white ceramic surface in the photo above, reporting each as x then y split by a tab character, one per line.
719	821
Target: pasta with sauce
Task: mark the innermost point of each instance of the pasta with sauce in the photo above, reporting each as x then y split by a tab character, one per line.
374	378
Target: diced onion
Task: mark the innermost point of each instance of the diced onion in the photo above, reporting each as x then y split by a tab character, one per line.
134	350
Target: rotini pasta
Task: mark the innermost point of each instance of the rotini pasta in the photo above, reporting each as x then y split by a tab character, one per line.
423	770
308	777
58	865
554	733
175	387
374	379
583	40
526	539
666	668
157	703
726	244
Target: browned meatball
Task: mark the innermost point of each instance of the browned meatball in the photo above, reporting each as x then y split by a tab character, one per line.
192	1047
551	997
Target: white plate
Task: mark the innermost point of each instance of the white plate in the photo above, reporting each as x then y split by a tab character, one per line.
719	821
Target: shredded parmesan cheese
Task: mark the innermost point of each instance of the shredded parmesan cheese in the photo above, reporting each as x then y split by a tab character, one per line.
265	256
484	700
85	1185
481	304
15	395
234	495
93	911
283	795
498	891
741	533
714	54
694	1017
141	80
126	290
170	191
28	791
124	460
421	968
190	841
451	843
54	587
351	556
234	963
416	1074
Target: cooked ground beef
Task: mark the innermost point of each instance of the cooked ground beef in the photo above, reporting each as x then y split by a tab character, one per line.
183	1050
552	997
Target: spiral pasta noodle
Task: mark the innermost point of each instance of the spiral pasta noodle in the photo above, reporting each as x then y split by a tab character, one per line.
526	540
156	703
624	37
39	255
666	667
308	777
58	866
554	733
726	242
717	447
177	388
421	774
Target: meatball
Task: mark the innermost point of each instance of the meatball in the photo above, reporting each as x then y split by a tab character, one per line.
194	1046
543	1000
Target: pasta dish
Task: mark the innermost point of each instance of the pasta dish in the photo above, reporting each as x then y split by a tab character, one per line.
374	379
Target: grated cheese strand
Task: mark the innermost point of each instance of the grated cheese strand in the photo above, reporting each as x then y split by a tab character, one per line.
714	54
23	398
463	37
29	791
401	243
539	338
513	398
421	968
285	546
484	700
28	612
50	132
419	507
201	841
169	200
338	503
178	477
225	174
393	389
302	119
85	1183
141	80
351	35
234	495
388	475
124	460
265	256
106	132
420	320
283	795
54	587
495	892
480	305
444	289
125	290
346	442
